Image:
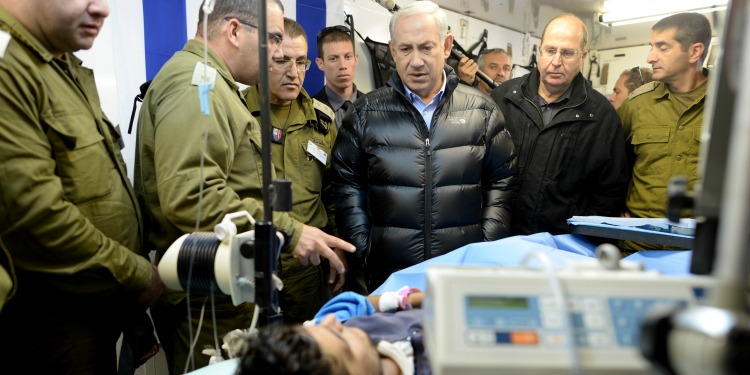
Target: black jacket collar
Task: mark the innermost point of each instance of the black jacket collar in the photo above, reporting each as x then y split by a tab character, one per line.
530	88
451	84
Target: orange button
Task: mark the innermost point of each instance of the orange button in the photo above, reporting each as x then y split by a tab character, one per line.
524	338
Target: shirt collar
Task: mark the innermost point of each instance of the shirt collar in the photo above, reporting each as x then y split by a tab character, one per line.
337	100
303	101
413	98
565	96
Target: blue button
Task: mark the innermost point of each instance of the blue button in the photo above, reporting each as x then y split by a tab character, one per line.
502	337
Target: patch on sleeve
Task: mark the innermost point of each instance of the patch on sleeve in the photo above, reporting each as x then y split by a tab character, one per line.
204	74
4	41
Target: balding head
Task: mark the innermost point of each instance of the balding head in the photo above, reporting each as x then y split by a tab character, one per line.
572	21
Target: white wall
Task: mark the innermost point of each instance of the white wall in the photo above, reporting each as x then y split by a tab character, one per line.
119	63
617	60
519	44
371	20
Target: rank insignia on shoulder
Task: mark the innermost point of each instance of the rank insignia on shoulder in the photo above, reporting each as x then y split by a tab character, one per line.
323	125
277	135
324	115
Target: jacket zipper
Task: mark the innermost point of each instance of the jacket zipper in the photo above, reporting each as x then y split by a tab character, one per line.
531	152
427	198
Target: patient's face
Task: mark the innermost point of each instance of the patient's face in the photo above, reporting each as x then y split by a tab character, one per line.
347	345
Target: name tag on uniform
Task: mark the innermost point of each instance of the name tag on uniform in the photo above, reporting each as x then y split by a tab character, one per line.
317	152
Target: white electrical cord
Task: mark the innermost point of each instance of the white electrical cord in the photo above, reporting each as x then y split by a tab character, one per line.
216	330
558	294
208	7
190	358
256	314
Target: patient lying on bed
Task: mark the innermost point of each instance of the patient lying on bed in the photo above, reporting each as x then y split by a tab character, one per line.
352	334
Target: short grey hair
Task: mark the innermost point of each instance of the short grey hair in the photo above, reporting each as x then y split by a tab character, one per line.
480	60
422	7
245	10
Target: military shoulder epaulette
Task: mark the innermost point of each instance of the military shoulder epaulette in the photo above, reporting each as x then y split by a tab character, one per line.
324	114
321	107
647	87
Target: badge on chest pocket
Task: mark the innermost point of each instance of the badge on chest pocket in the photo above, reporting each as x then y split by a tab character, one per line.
317	152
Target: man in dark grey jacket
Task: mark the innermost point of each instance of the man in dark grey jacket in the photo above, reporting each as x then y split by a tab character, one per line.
570	145
424	165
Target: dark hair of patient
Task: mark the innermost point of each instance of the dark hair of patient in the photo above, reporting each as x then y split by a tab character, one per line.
286	350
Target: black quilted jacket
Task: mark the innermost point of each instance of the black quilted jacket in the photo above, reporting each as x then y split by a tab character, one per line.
404	193
576	165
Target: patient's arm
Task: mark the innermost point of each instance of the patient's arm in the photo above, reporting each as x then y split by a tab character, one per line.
414	299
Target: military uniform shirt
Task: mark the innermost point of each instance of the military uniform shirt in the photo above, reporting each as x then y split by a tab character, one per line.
168	162
294	128
311	183
69	215
665	140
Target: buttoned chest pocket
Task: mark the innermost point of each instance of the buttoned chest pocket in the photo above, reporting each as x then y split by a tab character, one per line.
312	167
651	146
82	161
253	153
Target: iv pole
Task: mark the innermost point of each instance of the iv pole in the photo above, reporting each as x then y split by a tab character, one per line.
266	243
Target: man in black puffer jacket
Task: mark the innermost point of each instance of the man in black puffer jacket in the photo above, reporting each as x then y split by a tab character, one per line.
424	165
570	145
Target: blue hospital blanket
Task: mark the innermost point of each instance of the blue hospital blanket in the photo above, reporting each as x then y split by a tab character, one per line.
509	252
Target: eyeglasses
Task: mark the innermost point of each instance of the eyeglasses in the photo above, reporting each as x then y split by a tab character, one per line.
640	75
274	38
286	64
567	54
330	29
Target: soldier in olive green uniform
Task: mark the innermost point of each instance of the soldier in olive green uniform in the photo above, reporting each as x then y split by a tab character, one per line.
169	166
70	218
302	139
662	120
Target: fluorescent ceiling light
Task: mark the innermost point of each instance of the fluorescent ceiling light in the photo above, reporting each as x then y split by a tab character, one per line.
625	12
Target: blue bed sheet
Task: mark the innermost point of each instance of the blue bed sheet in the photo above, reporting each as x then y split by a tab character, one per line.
509	252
